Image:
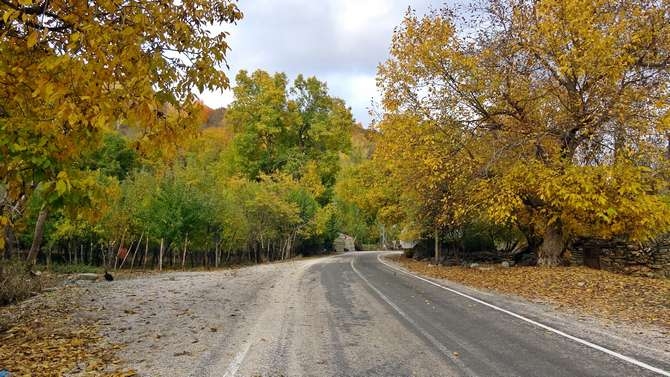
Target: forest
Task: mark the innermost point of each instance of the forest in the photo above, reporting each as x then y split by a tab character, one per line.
517	125
251	183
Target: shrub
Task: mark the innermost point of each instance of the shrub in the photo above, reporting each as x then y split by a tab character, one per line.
16	282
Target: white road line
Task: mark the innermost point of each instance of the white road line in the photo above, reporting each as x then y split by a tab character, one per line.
430	338
237	362
625	358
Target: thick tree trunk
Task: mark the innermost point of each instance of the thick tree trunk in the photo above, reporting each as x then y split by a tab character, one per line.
553	245
533	241
9	242
37	238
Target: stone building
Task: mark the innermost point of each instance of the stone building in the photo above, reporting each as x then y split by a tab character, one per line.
344	243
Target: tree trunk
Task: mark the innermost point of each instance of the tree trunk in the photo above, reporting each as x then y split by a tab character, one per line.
139	243
128	251
9	242
183	256
160	257
104	255
437	246
216	255
39	233
553	244
146	251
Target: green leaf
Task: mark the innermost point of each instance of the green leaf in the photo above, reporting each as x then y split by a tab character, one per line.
61	187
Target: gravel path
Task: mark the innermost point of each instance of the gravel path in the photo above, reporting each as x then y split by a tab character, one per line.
180	324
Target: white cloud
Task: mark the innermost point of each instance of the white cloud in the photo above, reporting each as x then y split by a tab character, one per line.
338	41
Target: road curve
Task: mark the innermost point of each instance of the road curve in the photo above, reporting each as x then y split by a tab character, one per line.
352	315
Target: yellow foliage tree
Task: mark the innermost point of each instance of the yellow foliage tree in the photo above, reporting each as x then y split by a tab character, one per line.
71	69
548	114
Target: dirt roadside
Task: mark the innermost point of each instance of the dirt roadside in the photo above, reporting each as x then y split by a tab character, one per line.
149	325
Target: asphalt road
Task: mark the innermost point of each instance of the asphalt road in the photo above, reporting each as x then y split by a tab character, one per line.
355	314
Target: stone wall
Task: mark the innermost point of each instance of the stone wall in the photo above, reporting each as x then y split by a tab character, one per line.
650	259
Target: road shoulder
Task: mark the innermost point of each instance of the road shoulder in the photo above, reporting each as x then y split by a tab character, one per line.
640	340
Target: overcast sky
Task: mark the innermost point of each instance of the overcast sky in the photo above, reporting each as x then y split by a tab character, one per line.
338	41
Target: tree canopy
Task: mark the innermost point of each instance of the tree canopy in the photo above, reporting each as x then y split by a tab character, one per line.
69	71
548	115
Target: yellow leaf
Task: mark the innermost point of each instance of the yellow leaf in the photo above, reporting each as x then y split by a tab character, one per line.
7	15
32	39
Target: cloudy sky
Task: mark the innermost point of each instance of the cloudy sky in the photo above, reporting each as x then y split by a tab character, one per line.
338	41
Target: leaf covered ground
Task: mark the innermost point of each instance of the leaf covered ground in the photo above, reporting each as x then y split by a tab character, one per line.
604	294
43	337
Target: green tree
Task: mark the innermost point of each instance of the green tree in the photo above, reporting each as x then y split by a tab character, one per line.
282	128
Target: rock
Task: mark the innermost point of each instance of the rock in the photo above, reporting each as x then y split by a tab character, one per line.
87	277
525	259
505	264
474	265
581	284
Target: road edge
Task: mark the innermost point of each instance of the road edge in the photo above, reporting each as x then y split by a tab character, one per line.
584	342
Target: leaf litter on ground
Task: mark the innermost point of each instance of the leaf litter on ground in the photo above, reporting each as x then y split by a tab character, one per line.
44	336
604	294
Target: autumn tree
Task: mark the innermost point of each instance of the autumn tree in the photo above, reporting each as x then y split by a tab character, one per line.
550	115
70	70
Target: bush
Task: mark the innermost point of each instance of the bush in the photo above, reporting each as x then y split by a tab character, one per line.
16	282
